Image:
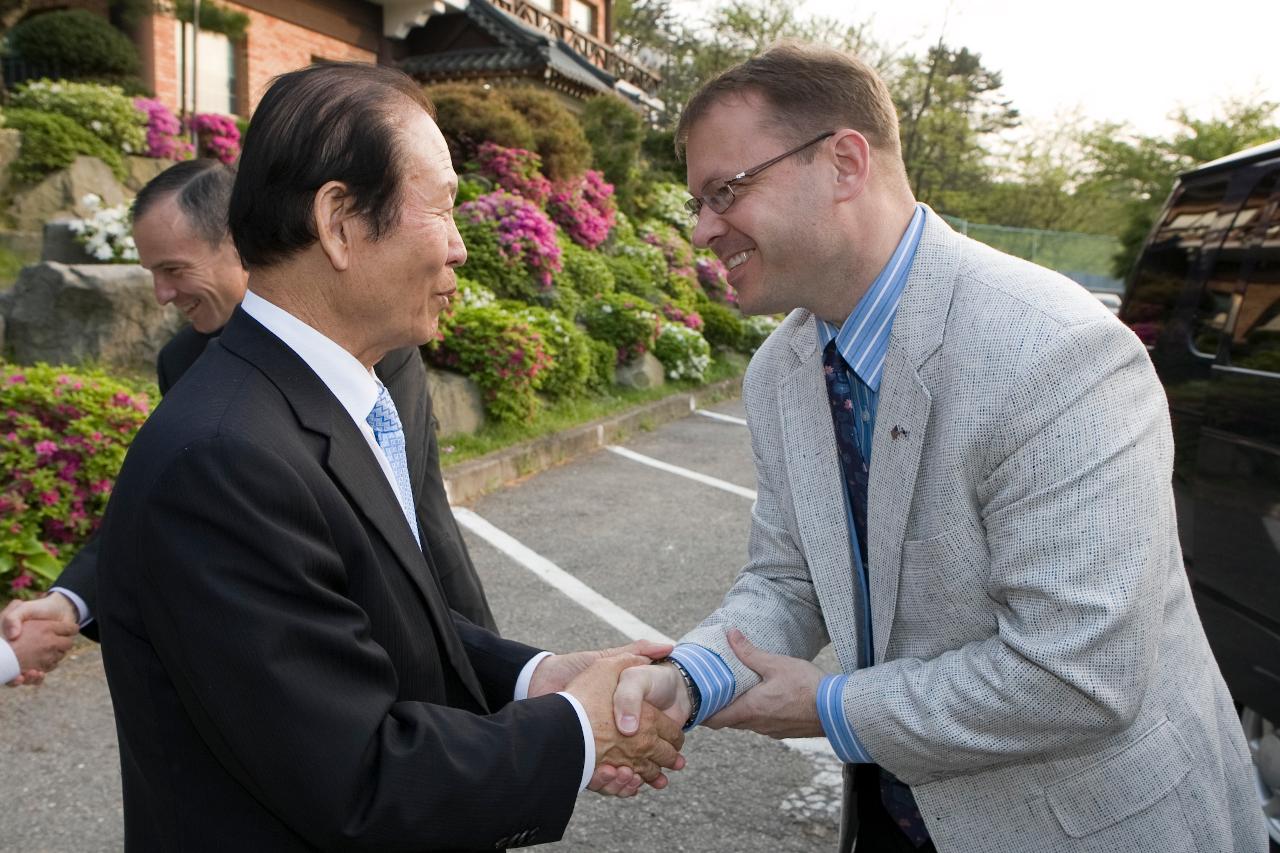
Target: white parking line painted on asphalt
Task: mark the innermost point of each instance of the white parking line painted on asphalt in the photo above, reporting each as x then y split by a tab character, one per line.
623	621
732	488
716	416
578	592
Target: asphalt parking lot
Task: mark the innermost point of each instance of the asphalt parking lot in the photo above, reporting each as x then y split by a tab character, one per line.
585	555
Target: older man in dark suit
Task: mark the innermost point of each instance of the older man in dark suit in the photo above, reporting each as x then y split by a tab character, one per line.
286	672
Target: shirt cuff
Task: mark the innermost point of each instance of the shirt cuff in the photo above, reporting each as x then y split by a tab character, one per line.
588	742
831	713
526	675
11	669
82	609
710	674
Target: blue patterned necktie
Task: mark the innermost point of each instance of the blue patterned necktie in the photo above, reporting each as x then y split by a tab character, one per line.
385	421
897	797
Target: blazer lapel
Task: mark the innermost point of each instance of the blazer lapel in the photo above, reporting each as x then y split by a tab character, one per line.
817	491
354	467
902	417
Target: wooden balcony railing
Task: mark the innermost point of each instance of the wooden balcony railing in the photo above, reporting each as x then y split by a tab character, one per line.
597	52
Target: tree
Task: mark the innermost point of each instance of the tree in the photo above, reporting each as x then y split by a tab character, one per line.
947	103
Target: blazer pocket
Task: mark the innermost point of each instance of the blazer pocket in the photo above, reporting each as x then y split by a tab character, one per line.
948	570
1120	786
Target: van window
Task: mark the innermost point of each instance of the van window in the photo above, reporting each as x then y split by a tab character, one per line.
1181	245
1237	261
1255	341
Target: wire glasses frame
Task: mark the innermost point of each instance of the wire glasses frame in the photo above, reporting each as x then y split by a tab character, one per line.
720	195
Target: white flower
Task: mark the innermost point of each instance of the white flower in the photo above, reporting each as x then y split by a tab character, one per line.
606	309
91	201
76	226
128	149
96	125
104	252
129	254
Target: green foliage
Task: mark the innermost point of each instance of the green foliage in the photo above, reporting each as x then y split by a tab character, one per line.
623	321
659	149
63	437
79	42
604	365
105	110
721	326
469	115
568	346
583	274
615	132
683	352
557	135
51	141
500	351
507	277
755	330
214	18
634	275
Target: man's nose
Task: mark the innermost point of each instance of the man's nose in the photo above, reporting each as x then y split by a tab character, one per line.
164	293
708	226
457	249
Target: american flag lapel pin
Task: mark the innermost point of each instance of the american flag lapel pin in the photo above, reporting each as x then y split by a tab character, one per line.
898	432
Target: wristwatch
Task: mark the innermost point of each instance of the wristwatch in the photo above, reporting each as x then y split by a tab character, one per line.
695	695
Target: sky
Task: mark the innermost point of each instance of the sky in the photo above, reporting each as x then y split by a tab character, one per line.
1132	61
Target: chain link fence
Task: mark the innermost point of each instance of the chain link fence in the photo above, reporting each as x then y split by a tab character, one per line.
1085	258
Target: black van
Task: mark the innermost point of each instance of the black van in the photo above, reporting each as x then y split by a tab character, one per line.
1205	298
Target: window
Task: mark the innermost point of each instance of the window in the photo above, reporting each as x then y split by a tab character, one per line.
1183	241
582	16
215	65
1255	340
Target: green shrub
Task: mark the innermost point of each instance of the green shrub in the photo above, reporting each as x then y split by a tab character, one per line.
499	351
626	323
557	136
506	277
80	43
604	365
721	325
659	148
583	273
63	436
632	275
569	347
105	110
615	132
51	141
683	352
469	115
755	330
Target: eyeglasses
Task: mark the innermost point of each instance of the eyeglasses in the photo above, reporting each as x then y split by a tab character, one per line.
719	193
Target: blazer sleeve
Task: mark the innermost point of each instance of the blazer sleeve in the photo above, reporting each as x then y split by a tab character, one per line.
245	604
81	577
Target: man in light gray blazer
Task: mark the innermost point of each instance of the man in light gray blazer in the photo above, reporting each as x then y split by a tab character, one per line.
967	492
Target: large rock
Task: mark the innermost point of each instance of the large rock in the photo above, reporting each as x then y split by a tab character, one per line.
456	402
643	372
10	147
60	244
59	195
141	170
93	312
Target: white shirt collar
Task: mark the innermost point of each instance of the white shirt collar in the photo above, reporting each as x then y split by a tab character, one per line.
355	386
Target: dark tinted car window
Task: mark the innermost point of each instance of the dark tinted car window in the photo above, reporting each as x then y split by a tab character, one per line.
1251	253
1181	245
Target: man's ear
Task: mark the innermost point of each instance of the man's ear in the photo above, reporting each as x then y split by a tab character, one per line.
335	223
852	154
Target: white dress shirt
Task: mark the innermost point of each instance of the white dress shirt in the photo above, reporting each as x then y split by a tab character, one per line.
11	669
357	389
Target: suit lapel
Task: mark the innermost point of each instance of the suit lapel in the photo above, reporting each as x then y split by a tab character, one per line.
354	467
813	466
902	416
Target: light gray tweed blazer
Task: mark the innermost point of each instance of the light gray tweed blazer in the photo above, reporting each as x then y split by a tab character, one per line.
1042	678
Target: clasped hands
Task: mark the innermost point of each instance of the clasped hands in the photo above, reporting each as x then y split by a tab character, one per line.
40	632
637	710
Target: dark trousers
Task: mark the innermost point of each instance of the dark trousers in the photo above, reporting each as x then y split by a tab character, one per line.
866	820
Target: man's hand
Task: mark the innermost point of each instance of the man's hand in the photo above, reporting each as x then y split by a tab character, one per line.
660	686
783	704
552	674
52	606
42	645
655	745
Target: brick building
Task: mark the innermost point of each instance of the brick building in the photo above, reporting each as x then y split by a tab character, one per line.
562	44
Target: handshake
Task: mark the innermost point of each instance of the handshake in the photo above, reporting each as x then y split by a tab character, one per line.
638	710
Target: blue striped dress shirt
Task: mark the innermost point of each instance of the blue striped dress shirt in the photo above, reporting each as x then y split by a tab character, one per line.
863	340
